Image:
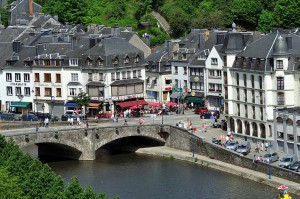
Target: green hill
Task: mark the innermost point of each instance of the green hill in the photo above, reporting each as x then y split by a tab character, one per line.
182	15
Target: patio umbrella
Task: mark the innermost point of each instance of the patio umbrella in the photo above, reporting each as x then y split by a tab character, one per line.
155	104
171	104
282	187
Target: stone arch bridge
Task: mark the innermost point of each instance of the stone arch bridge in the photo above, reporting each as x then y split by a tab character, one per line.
88	144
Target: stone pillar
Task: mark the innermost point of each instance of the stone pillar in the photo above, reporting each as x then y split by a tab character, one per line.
88	146
285	146
295	133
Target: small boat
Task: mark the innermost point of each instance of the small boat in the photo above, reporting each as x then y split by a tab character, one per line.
283	194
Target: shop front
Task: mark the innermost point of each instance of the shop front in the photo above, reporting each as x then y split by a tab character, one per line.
21	107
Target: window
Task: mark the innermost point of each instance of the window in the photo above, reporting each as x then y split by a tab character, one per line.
176	69
47	62
100	61
115	60
90	76
176	83
128	75
36	77
48	91
280	83
27	91
37	91
252	81
57	63
185	83
74	77
260	82
184	56
72	91
211	73
279	64
139	73
126	60
219	73
211	87
73	62
18	91
17	77
113	78
280	98
8	77
168	81
167	68
9	91
58	92
134	74
58	79
214	61
184	70
47	77
245	80
89	62
219	87
26	77
118	76
101	77
237	79
124	75
137	59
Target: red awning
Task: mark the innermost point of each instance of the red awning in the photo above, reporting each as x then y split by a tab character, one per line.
125	104
140	102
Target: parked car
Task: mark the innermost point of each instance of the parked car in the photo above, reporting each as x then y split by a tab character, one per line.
272	157
200	110
65	117
295	166
208	114
103	115
286	161
232	145
42	116
9	117
29	117
244	148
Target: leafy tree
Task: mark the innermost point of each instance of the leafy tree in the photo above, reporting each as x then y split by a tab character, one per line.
82	99
9	187
266	21
115	10
286	13
179	23
88	193
74	189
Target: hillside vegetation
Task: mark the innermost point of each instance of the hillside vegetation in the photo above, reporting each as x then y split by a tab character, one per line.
182	15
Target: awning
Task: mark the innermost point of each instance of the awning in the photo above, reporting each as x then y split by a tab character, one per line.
20	104
72	105
178	95
140	102
129	104
93	105
196	100
125	104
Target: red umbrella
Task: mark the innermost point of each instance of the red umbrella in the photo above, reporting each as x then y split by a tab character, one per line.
171	104
155	104
282	187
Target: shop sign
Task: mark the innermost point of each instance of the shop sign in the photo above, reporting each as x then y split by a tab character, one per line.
18	84
168	88
94	98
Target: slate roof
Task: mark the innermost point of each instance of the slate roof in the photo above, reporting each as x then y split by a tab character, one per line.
127	81
11	32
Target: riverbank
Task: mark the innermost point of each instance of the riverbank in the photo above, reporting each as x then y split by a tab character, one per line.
222	166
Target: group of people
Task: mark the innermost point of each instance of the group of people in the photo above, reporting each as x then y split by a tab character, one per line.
261	146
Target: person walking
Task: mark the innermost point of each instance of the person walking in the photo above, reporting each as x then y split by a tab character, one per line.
266	146
78	121
125	122
47	122
72	121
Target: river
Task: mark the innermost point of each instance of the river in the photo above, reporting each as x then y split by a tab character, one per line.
134	176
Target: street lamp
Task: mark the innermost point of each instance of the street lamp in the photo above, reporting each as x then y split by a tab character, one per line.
269	166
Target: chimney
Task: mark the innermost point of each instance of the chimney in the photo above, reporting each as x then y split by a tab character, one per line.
92	42
201	41
16	46
289	42
169	49
30	6
115	30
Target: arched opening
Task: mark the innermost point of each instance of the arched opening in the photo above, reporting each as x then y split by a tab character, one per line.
289	121
127	145
240	126
298	122
232	125
254	130
270	131
247	127
262	131
279	120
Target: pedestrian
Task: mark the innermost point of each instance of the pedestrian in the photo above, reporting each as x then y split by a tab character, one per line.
266	146
117	119
257	147
262	146
254	161
139	121
72	121
203	128
37	129
87	124
78	121
125	122
69	120
46	122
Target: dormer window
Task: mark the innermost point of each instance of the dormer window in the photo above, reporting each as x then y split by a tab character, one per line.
279	64
47	62
115	60
137	59
126	60
184	56
100	61
73	62
89	61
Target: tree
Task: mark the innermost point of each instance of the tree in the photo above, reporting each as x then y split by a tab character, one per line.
266	21
74	189
82	99
286	13
179	23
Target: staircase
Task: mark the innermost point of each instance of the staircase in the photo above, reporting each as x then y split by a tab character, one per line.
162	21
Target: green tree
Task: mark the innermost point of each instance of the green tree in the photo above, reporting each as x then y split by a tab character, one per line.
179	23
88	193
286	13
266	21
82	99
74	189
9	187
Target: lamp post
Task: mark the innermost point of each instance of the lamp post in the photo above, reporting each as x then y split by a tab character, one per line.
269	162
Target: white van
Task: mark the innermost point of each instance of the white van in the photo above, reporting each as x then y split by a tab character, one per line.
287	160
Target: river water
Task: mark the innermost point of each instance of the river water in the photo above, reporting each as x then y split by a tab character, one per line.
134	176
